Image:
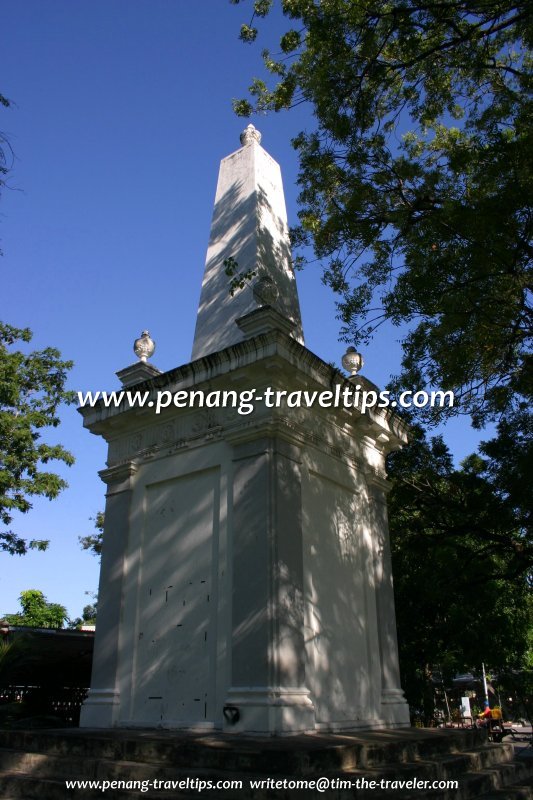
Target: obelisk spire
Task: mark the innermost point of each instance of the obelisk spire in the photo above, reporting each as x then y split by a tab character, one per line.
249	234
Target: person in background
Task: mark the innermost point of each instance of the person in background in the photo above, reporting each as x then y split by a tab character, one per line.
486	714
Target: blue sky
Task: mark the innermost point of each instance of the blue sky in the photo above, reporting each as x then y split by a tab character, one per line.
121	114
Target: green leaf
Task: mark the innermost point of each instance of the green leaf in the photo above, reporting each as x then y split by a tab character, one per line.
32	387
248	34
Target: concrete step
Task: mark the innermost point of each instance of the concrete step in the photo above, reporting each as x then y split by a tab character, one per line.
65	766
511	793
291	755
37	767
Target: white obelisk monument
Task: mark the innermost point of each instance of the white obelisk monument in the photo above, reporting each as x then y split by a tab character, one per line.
246	581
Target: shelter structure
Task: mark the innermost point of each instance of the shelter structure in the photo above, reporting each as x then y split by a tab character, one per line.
246	580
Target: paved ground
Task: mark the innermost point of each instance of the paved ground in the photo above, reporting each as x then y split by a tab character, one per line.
522	741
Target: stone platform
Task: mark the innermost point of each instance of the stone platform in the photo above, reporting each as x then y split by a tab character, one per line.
36	764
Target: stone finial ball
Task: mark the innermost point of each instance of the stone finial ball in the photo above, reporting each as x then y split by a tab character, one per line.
352	361
249	135
144	347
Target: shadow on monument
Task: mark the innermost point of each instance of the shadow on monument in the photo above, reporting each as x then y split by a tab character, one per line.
256	248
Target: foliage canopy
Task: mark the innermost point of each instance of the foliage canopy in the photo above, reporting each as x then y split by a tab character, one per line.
416	184
462	563
32	387
37	612
93	541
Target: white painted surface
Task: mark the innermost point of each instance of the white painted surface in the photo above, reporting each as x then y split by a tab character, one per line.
339	616
245	559
176	601
282	514
249	225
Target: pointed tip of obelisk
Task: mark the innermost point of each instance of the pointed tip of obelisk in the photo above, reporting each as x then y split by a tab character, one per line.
249	135
249	228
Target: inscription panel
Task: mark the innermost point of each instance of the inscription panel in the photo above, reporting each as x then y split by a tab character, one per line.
336	609
174	673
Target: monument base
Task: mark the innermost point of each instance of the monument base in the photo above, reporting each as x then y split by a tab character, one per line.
394	709
100	709
269	711
36	763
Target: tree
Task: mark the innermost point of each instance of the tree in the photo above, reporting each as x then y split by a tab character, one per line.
416	183
37	612
88	616
14	653
415	194
93	541
507	462
32	387
462	567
